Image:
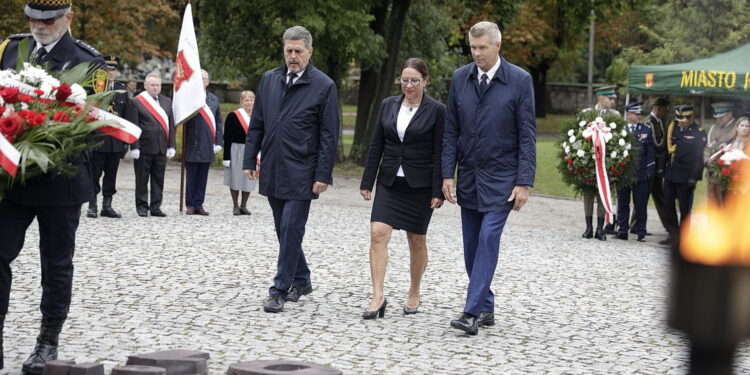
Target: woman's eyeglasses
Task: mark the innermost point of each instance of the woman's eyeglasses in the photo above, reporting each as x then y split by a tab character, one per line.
414	81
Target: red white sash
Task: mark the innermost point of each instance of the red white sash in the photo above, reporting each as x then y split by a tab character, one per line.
602	182
244	118
9	157
126	132
208	117
722	150
155	110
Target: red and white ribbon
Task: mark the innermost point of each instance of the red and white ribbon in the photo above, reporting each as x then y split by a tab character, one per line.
724	149
155	110
208	117
126	132
600	162
9	157
244	118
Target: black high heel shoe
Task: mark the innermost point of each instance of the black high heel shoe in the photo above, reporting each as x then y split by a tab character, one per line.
379	313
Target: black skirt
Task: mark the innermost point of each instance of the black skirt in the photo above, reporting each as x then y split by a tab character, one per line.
403	207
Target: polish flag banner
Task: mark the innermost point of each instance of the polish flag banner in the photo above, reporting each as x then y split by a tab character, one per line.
189	95
9	157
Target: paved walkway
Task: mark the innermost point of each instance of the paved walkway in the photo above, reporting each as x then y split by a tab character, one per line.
564	305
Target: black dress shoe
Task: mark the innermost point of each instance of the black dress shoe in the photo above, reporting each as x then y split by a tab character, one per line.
379	313
467	323
190	211
45	349
622	236
297	291
274	304
666	242
609	229
201	211
245	211
641	238
588	233
410	310
142	213
486	318
91	212
600	235
649	234
110	212
158	213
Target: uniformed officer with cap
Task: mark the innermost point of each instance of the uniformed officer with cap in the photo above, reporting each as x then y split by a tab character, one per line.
106	158
55	201
685	143
643	173
657	121
721	133
606	98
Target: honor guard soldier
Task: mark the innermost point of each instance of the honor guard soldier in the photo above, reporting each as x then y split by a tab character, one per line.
643	174
605	101
685	143
721	133
106	157
55	201
657	121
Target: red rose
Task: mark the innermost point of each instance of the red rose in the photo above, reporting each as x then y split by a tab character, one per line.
10	95
570	161
63	92
38	119
725	171
26	98
2	110
10	125
61	117
39	92
622	164
720	162
733	166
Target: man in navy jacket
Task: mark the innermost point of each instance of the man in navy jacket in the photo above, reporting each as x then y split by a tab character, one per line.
295	125
202	141
490	132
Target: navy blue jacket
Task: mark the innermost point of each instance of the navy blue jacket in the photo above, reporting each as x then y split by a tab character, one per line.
296	130
646	151
199	141
420	152
491	138
50	190
685	165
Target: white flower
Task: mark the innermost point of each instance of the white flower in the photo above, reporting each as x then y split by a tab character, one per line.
32	75
599	119
78	94
624	133
567	150
571	133
565	144
582	123
613	125
606	129
577	145
587	133
572	139
607	137
621	142
625	153
733	155
581	153
628	146
613	154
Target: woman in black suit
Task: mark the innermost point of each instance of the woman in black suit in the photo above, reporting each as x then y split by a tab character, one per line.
405	156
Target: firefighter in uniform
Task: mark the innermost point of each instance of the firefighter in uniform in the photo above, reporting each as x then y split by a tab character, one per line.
55	201
106	157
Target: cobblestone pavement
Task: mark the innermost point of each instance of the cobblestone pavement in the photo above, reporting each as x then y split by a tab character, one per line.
564	305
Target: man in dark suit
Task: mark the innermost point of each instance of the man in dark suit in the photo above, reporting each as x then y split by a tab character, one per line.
152	112
491	135
203	139
295	124
657	121
106	157
55	201
643	173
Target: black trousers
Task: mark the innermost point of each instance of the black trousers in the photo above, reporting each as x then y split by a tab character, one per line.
290	218
196	175
656	190
107	163
57	233
149	167
683	194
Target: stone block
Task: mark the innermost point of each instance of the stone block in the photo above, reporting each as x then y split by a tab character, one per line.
58	367
89	368
138	370
280	367
174	361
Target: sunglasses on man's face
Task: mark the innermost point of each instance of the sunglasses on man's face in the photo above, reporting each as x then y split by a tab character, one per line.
46	21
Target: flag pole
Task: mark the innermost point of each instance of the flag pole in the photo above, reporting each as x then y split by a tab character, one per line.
182	168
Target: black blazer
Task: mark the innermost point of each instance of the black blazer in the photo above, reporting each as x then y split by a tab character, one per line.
419	154
153	141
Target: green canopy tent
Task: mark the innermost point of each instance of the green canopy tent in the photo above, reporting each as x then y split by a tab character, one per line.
726	74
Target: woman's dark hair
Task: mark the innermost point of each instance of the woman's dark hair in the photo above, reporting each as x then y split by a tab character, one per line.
416	64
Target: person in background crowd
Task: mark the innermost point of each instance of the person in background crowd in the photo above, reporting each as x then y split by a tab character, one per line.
643	174
720	134
657	120
132	88
741	136
235	133
405	156
685	143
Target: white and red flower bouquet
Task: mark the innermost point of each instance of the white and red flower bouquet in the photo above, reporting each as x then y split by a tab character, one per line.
48	119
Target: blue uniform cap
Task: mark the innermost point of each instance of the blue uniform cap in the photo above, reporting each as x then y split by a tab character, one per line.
636	107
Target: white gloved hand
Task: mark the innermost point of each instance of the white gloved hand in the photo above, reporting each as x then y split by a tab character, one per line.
170	153
136	153
226	163
217	148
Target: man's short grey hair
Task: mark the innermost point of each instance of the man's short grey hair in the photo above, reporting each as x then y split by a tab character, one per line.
152	75
297	33
486	28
